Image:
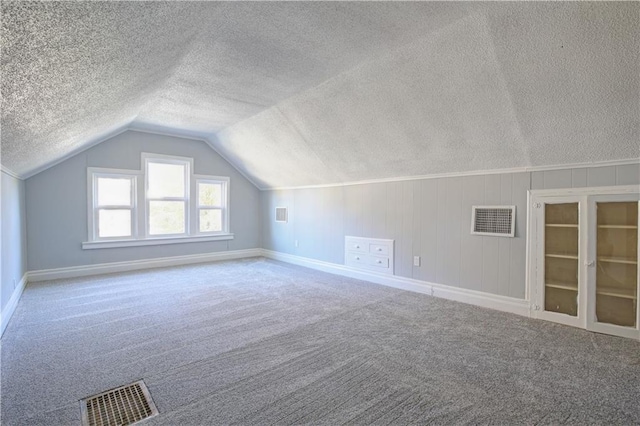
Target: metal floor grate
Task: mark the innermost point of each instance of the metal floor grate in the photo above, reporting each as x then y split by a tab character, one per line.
118	407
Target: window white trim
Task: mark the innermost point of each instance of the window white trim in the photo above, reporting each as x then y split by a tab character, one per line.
88	245
224	205
139	216
169	159
93	174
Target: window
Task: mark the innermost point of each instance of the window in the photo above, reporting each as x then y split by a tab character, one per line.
167	195
164	203
212	204
113	205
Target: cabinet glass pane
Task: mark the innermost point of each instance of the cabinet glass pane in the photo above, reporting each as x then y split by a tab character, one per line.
561	258
617	263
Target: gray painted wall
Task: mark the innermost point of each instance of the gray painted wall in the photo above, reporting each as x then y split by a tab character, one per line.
430	218
56	203
14	236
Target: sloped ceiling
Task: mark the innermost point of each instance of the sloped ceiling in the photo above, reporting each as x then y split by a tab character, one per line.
315	93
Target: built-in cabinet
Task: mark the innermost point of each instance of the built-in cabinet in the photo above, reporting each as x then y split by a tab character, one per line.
373	254
584	258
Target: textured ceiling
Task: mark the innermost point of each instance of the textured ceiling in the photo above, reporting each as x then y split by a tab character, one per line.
313	93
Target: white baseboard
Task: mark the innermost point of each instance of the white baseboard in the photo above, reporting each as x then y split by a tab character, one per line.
109	268
8	310
487	300
478	298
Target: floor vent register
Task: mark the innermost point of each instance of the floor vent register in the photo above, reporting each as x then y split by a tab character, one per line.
122	406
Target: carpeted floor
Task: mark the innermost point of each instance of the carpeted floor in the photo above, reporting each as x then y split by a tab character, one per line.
259	342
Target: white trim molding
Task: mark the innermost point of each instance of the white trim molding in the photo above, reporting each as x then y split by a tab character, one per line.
478	298
210	139
527	169
90	144
591	190
134	126
90	245
10	172
134	265
10	308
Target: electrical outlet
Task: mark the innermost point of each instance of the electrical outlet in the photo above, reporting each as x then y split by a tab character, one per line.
416	260
295	243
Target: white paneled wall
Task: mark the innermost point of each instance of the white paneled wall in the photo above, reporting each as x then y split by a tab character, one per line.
430	218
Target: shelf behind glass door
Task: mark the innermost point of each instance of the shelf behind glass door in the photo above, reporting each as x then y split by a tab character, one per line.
561	258
617	263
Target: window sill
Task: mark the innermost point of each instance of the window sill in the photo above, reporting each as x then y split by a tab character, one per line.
89	245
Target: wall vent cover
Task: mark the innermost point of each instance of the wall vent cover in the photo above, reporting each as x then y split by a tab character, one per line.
122	406
281	214
493	220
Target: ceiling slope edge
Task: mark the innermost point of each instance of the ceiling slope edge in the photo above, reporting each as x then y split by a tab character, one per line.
134	127
527	169
193	135
210	139
93	142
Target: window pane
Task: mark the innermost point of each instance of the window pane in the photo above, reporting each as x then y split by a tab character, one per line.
210	194
114	223
166	217
210	220
114	192
165	180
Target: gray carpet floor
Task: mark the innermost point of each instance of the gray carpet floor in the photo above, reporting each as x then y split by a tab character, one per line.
259	342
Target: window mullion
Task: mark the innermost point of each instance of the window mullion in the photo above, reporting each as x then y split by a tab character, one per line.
167	199
123	207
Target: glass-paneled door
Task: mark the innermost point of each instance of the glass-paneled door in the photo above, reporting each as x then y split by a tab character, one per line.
559	265
613	273
584	248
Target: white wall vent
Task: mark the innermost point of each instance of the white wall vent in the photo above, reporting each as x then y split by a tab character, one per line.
281	214
496	221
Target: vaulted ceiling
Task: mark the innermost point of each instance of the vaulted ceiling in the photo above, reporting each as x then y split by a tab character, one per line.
306	93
